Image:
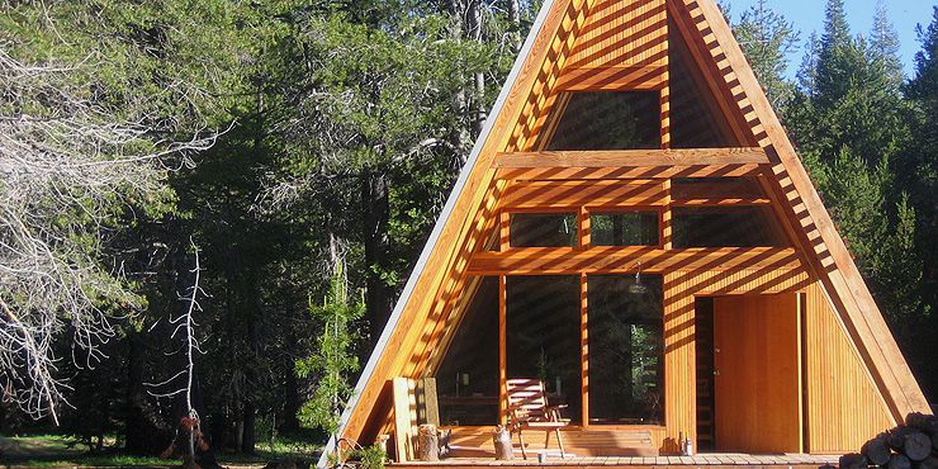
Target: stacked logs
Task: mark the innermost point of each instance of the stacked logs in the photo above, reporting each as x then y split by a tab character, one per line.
910	446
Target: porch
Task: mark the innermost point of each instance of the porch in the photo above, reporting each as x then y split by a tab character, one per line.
710	460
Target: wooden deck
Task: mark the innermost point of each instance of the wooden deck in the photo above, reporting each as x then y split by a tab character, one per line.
710	460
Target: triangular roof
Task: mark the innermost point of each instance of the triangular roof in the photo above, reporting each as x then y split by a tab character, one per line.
553	56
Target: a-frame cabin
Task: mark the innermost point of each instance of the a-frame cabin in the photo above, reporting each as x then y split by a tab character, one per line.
635	229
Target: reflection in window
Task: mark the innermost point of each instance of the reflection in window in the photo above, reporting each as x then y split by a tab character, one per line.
467	379
608	120
624	229
626	350
543	336
727	227
543	230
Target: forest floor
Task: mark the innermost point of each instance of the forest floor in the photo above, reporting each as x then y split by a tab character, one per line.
57	451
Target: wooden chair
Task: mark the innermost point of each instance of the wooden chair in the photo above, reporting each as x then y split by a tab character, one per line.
528	410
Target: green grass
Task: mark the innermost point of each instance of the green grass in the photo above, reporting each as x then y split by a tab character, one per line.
48	451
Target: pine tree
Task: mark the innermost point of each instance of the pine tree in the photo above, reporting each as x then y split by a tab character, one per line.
884	46
767	38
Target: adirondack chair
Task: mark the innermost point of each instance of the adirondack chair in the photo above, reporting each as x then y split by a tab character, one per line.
528	410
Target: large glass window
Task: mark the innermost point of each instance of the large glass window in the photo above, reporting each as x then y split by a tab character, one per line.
543	230
624	229
608	120
467	379
626	321
727	227
543	336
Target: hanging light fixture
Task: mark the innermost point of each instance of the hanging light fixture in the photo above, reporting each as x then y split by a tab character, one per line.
637	287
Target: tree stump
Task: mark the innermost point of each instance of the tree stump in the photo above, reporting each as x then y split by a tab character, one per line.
899	461
853	461
428	443
877	451
501	438
917	446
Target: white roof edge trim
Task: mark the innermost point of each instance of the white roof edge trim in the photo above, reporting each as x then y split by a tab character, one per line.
437	229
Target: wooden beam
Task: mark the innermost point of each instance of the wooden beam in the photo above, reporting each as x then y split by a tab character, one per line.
628	172
635	78
631	164
614	259
631	158
571	195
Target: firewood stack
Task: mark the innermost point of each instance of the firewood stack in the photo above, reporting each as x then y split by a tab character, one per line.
910	446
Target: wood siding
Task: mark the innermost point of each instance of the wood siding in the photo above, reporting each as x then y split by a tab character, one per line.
844	408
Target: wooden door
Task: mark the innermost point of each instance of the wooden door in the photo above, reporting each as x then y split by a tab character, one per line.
757	361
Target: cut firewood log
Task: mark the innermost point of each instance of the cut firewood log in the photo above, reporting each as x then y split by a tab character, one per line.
926	423
896	438
853	461
428	443
877	451
899	461
930	462
934	441
917	446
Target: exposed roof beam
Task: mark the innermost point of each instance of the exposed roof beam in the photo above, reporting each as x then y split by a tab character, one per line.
557	261
631	164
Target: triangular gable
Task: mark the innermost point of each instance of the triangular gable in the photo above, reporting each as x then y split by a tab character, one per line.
566	36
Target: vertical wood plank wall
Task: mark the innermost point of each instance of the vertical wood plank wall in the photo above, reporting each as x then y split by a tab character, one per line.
844	408
680	288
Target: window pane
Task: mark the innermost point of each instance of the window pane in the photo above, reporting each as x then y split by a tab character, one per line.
543	336
608	120
626	350
467	380
543	230
624	229
727	227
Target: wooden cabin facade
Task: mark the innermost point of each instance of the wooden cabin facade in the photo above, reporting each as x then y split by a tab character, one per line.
634	228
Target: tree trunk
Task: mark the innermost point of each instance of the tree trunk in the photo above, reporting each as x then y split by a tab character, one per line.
138	433
514	15
376	214
474	32
249	418
289	423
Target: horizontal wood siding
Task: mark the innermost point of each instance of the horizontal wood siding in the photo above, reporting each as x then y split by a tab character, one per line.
844	408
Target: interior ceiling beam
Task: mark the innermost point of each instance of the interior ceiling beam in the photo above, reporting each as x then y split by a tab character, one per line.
631	164
615	259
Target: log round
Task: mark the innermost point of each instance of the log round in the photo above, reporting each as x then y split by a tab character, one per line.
428	443
501	438
917	446
877	451
853	461
896	438
923	422
930	462
934	441
899	461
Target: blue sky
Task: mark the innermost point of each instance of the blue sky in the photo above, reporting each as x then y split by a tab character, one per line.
808	16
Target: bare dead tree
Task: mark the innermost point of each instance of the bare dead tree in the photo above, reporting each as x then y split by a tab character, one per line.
68	166
181	382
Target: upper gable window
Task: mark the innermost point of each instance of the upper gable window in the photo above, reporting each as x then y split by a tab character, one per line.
607	120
